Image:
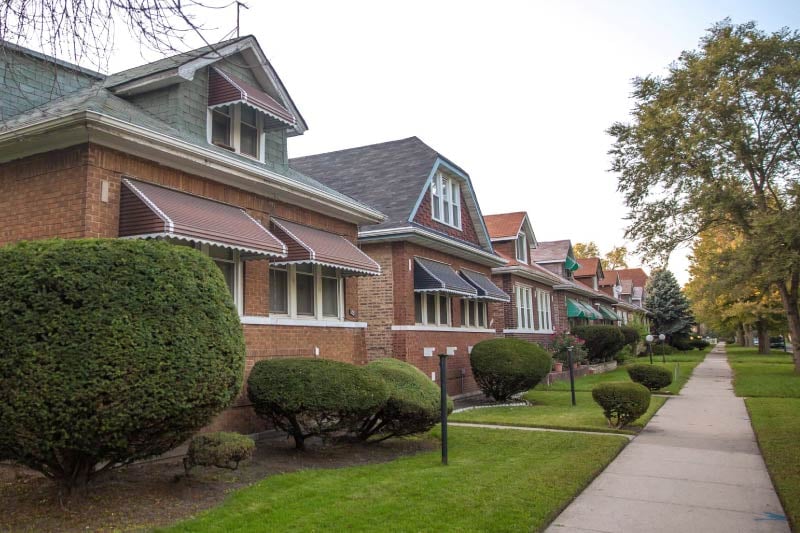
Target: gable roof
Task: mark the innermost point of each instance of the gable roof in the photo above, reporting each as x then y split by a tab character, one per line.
391	177
610	279
588	267
506	226
637	275
627	286
551	251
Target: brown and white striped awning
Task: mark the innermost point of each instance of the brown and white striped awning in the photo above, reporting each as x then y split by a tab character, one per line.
225	89
152	211
312	245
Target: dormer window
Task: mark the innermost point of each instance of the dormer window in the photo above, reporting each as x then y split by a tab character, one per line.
237	128
522	248
446	200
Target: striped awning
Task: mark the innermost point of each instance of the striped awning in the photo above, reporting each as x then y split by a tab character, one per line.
608	313
576	309
152	211
311	245
571	264
434	276
487	290
225	88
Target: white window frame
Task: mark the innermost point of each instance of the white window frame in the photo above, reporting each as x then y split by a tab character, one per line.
292	295
448	200
524	304
437	308
543	305
522	240
236	129
468	319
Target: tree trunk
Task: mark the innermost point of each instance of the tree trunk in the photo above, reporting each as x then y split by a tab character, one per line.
748	335
790	306
763	337
740	335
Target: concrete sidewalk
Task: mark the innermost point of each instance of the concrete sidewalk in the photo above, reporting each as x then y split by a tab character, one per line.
696	467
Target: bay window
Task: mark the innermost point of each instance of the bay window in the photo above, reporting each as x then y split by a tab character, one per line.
446	200
524	303
432	309
306	291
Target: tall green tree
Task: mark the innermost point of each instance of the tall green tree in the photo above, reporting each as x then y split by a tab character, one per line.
585	250
716	143
670	307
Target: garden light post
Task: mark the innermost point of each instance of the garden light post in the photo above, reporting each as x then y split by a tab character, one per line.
443	383
571	375
661	337
649	340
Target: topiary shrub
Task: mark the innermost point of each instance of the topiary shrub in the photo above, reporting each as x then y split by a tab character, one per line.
631	336
602	342
699	344
622	402
651	376
504	367
220	449
314	397
111	351
414	404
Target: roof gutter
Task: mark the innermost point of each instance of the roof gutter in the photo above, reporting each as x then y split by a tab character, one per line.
525	273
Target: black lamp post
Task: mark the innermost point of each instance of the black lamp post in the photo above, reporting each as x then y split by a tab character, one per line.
571	375
649	340
443	383
661	337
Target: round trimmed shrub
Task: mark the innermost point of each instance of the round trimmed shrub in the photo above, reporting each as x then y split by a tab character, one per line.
622	402
651	376
631	336
111	351
413	406
314	397
602	342
221	449
505	367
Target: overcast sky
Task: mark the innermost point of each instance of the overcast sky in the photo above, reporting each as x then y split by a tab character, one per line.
519	94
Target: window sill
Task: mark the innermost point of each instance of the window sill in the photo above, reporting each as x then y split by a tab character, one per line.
528	330
300	322
443	223
425	327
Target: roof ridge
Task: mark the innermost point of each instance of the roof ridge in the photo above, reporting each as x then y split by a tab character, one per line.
53	59
363	147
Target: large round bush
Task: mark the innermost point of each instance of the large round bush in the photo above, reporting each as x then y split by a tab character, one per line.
504	367
602	342
651	376
622	402
413	406
314	397
111	351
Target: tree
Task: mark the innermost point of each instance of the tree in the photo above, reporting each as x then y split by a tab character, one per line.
616	258
585	250
716	143
668	304
83	30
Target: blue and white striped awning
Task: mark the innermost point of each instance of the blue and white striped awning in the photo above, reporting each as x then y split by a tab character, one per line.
487	290
435	276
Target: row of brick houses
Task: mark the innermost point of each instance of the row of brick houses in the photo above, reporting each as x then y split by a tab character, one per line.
370	252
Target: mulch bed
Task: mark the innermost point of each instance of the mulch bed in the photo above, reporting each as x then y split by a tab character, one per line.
153	494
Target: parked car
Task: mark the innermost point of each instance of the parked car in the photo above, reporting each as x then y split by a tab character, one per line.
777	342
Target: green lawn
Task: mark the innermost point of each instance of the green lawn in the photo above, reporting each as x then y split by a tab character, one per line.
498	480
777	426
586	383
771	380
553	409
739	354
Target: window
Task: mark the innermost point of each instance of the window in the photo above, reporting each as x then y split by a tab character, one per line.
543	305
473	313
524	307
229	264
522	248
306	291
238	129
446	200
432	309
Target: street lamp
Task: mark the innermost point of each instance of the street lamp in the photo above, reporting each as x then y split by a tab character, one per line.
443	386
649	340
661	337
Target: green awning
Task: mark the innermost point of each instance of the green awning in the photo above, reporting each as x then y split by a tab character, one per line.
607	313
576	309
593	313
572	264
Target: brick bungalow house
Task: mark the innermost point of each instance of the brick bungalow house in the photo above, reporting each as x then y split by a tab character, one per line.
435	295
192	149
590	274
629	286
533	312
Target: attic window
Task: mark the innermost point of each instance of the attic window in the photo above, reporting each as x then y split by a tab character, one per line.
522	248
238	128
446	200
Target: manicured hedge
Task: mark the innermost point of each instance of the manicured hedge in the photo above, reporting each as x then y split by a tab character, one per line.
504	367
631	336
314	397
413	405
220	449
602	342
111	351
622	402
651	376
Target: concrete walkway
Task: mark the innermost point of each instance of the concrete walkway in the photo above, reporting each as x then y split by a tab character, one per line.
696	467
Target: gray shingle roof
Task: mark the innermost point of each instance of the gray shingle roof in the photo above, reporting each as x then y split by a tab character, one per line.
388	176
551	251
